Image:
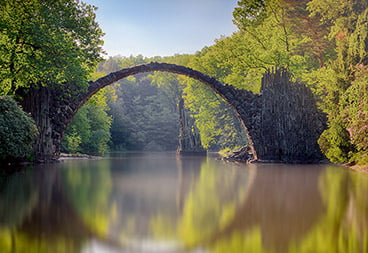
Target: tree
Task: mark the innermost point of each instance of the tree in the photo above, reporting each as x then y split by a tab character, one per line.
45	42
143	116
144	112
342	83
323	43
89	132
17	131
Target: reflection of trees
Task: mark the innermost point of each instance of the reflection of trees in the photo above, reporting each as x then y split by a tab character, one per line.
282	205
341	226
232	212
17	198
344	225
222	208
287	209
212	202
148	191
206	203
51	218
88	188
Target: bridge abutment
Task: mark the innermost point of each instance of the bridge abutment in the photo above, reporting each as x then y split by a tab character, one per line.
290	121
283	121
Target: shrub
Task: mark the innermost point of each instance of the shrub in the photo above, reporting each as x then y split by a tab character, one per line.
17	131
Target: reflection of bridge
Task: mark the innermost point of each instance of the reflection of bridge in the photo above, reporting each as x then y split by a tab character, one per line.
282	123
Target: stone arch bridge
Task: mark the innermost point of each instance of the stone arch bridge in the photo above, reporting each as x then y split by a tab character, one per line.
282	123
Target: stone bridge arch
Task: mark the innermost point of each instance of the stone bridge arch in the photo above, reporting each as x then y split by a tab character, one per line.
227	92
281	124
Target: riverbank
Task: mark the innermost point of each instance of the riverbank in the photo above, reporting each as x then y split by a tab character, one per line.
64	156
362	168
243	155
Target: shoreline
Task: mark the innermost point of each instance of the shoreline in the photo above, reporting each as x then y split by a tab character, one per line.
361	168
64	156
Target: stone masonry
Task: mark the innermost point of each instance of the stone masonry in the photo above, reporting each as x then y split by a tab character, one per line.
282	123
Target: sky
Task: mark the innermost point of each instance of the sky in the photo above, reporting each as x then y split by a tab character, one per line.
162	27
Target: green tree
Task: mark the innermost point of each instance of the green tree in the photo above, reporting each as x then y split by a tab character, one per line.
17	131
143	107
215	120
89	132
44	42
267	38
144	117
72	141
342	83
321	42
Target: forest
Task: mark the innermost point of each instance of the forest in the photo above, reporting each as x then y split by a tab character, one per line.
322	43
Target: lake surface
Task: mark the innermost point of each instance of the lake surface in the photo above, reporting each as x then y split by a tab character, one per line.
158	202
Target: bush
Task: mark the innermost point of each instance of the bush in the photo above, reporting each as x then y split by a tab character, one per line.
335	142
17	131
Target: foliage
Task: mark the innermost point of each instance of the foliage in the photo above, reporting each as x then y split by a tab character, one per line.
72	141
214	118
17	131
144	116
355	114
141	97
341	85
89	131
267	39
249	12
211	113
144	108
47	42
334	142
322	43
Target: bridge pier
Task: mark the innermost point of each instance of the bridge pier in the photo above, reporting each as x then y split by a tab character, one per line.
37	102
52	111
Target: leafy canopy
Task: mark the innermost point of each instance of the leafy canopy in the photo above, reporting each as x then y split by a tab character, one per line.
17	131
46	42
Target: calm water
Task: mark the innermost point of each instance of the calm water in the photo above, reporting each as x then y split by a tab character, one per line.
157	202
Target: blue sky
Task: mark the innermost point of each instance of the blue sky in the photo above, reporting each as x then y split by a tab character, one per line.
162	27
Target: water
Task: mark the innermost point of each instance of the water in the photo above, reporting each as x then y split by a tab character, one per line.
157	202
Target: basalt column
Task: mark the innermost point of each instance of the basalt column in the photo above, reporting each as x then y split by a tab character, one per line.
189	139
290	121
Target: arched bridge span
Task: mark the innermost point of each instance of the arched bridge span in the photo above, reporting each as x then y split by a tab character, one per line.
281	124
227	92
